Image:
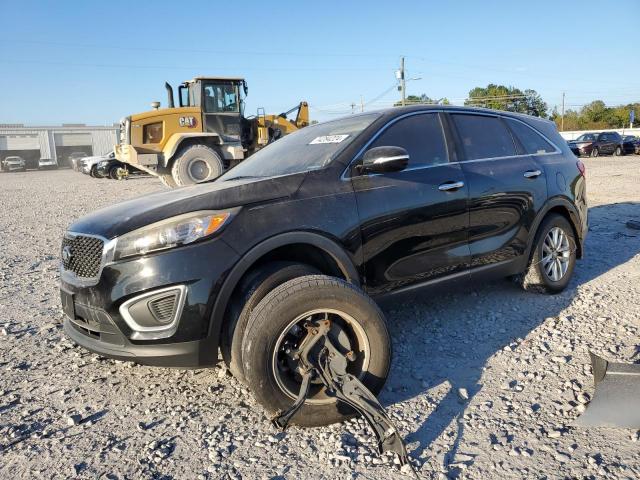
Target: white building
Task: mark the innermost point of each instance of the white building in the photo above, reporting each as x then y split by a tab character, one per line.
56	142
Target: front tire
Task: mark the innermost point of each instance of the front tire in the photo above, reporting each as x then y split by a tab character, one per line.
114	173
196	164
253	288
553	256
595	152
167	180
358	325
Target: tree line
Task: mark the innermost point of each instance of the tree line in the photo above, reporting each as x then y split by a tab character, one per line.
593	116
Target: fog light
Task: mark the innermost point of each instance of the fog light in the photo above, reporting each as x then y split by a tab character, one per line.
154	314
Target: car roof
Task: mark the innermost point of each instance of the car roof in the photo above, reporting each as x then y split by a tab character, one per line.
398	111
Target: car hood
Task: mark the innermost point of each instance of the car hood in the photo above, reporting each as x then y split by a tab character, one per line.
124	217
14	162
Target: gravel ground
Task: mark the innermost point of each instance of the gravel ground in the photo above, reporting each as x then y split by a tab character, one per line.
484	383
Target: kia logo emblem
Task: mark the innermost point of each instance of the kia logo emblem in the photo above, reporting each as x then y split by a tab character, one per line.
66	254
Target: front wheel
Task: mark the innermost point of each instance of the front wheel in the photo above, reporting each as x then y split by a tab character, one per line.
277	326
595	152
196	164
116	173
553	256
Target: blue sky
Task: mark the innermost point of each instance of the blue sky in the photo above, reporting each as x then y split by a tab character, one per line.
93	62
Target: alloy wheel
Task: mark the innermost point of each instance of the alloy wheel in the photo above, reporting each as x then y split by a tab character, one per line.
556	254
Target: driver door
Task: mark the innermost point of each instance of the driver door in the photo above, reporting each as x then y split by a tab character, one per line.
413	222
221	109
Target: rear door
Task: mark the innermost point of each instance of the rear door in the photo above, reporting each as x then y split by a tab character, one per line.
506	190
413	222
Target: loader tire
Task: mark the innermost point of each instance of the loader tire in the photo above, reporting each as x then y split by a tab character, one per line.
253	288
167	180
196	164
551	261
274	329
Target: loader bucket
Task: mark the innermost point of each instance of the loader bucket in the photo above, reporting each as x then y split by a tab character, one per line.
616	400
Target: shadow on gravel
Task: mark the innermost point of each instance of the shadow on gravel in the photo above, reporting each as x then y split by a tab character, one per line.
446	340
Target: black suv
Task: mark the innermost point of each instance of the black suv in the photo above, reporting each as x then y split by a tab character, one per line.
301	236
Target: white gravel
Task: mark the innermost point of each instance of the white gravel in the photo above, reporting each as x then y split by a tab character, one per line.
484	383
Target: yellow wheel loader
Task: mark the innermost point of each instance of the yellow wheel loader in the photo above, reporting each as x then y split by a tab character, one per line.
205	135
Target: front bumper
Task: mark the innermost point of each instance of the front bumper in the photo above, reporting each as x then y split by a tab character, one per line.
98	325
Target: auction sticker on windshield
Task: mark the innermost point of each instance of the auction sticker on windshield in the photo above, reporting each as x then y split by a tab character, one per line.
328	139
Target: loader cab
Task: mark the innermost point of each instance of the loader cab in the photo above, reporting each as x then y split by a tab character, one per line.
221	101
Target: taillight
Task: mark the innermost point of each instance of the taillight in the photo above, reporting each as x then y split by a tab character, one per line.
582	168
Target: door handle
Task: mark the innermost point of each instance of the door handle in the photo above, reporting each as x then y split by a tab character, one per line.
532	173
445	187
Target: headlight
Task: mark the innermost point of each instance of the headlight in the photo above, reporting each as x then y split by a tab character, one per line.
173	232
152	133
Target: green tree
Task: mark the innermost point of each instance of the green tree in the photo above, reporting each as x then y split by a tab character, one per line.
596	115
422	99
511	99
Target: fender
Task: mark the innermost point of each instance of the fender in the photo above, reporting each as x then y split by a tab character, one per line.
172	145
574	218
244	264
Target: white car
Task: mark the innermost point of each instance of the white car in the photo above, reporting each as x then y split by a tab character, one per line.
89	165
14	164
45	163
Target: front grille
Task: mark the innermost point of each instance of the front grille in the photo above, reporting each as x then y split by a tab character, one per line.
162	308
82	255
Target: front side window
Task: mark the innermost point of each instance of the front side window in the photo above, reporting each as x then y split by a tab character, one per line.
483	136
420	135
221	98
531	140
586	137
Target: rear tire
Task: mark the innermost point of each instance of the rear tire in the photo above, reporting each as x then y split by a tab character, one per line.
617	152
595	152
356	320
196	164
253	288
548	272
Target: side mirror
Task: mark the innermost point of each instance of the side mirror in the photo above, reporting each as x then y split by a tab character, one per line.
384	159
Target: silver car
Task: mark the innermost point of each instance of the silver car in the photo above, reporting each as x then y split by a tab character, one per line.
14	164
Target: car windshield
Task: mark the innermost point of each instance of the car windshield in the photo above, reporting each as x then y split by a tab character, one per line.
307	149
586	137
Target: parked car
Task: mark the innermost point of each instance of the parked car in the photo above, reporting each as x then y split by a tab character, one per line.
302	236
74	160
116	170
631	144
595	144
47	163
89	165
14	164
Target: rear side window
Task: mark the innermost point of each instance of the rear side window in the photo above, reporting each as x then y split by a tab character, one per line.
420	135
483	137
531	140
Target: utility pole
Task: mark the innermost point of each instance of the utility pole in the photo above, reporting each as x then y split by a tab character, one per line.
353	108
402	84
562	115
361	104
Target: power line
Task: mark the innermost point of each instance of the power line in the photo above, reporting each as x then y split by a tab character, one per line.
192	68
